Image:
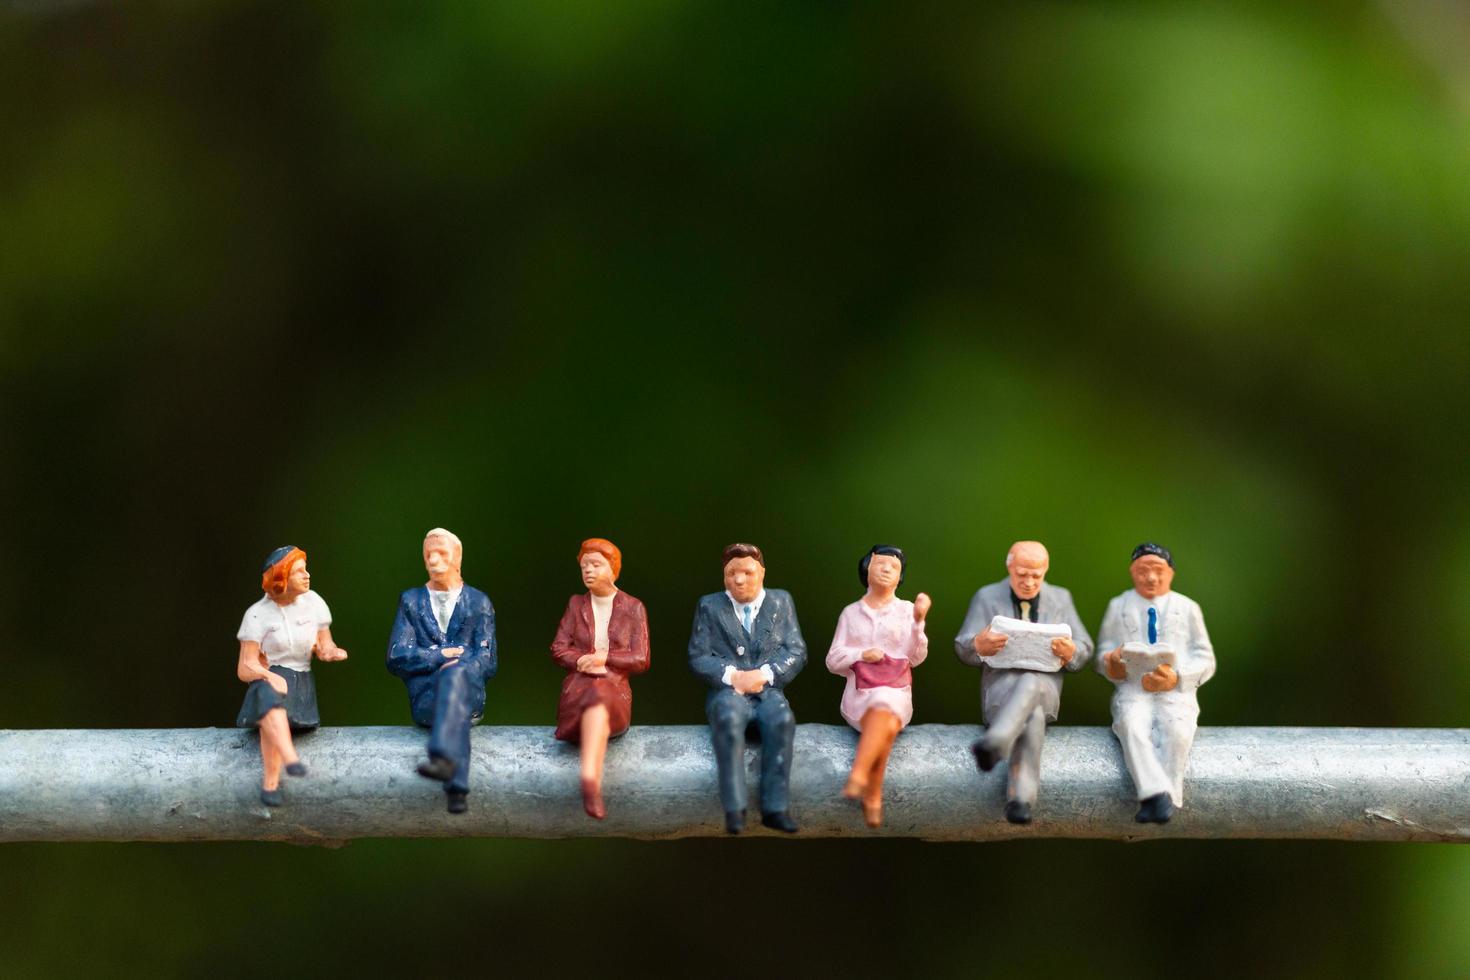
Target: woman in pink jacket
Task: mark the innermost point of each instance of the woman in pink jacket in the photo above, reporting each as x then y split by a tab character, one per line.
879	639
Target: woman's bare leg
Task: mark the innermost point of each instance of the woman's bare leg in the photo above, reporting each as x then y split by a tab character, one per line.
594	731
275	746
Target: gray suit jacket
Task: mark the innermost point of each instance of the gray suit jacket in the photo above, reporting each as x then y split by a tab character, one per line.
1054	605
719	641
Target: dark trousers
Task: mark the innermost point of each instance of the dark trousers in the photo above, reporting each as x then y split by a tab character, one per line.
459	695
729	716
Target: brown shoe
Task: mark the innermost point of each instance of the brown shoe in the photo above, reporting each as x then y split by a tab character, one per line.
592	799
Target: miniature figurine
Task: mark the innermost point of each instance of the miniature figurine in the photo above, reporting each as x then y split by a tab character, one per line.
879	639
1158	654
602	638
277	638
1021	694
443	646
747	646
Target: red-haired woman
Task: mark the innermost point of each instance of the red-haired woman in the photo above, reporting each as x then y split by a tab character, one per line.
277	638
603	637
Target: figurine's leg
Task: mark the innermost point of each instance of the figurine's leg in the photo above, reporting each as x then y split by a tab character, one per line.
888	726
778	737
1014	715
594	730
870	746
1133	723
275	746
1025	768
450	736
728	714
1178	721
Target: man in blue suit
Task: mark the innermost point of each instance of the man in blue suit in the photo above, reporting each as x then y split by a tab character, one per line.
747	647
443	646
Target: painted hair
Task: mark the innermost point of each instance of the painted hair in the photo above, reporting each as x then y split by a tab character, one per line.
277	568
882	549
738	550
606	549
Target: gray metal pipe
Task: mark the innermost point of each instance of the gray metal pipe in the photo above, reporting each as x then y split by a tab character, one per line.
201	784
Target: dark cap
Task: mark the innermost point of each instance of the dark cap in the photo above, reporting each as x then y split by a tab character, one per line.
275	556
1149	548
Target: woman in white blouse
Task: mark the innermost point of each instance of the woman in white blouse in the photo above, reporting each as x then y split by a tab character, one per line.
277	638
879	639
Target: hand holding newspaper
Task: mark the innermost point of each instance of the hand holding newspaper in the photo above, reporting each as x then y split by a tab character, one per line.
1028	645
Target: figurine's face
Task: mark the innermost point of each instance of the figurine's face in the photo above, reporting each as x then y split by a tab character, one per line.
884	571
439	558
298	580
1152	576
597	573
1027	573
744	578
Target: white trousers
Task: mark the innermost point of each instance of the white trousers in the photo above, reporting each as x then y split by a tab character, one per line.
1156	732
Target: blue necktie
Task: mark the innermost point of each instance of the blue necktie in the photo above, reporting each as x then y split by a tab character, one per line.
1153	625
745	619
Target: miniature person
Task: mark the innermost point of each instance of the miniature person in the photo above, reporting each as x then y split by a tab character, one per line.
1016	703
602	638
879	639
1155	715
277	638
747	646
443	646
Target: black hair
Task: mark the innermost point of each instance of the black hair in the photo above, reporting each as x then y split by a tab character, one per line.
1149	548
882	549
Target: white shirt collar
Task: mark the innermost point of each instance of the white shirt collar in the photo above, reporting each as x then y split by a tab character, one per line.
754	604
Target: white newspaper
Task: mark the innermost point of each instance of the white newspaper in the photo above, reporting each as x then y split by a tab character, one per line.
1141	658
1028	644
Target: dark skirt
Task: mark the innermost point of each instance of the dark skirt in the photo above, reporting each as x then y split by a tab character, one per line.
582	691
299	702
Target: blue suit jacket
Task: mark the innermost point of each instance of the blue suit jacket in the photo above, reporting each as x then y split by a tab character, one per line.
415	644
718	640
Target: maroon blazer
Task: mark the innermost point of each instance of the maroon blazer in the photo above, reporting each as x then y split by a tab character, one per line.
627	653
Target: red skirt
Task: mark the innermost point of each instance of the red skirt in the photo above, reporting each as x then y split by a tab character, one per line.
582	691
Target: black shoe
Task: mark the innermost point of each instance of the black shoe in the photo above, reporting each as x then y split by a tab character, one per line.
271	797
985	756
1156	809
297	768
1018	811
437	768
456	801
734	821
779	820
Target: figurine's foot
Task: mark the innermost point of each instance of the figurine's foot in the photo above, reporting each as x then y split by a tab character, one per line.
592	799
779	820
985	756
1018	811
734	821
1156	809
873	813
437	768
456	802
854	788
271	797
297	768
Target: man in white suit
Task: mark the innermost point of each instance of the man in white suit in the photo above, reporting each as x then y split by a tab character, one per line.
1154	716
1017	704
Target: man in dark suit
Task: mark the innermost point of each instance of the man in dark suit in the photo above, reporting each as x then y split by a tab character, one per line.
747	647
443	646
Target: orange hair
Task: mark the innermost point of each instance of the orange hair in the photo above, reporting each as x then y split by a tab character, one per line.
274	579
606	549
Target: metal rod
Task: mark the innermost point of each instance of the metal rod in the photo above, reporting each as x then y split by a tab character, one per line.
202	784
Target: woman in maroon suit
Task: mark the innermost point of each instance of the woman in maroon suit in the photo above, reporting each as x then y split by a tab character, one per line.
603	637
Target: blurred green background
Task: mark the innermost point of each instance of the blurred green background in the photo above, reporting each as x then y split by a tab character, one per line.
678	274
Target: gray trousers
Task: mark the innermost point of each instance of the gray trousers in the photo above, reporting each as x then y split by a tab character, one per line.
730	714
1018	730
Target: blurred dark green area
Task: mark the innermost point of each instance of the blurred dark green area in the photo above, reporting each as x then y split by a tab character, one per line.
812	276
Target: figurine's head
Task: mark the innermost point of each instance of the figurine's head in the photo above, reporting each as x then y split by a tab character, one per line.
442	555
882	568
284	575
601	563
1026	564
745	571
1152	570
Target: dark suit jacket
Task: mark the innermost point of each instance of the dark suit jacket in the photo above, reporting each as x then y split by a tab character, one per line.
719	641
627	653
415	644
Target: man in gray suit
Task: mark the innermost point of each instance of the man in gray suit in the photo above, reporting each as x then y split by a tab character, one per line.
1018	703
747	646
